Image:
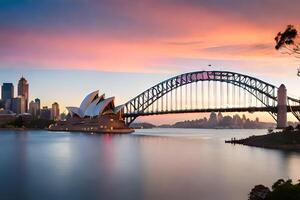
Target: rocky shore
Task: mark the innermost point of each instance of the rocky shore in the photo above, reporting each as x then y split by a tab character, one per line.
285	140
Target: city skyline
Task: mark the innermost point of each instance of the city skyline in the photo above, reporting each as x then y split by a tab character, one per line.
61	96
22	104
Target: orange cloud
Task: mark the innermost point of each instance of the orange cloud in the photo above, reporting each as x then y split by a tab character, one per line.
157	32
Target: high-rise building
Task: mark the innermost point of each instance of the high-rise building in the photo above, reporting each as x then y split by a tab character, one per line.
23	90
33	109
55	111
7	104
38	101
213	120
2	104
18	105
45	113
7	91
220	116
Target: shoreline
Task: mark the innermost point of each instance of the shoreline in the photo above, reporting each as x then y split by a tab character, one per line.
284	140
21	129
102	131
106	131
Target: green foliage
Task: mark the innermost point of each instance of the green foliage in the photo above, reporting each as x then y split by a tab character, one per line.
287	37
17	123
40	123
289	128
32	124
298	127
284	190
287	41
281	190
277	184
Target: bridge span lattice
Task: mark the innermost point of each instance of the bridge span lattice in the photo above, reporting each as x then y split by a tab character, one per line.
207	91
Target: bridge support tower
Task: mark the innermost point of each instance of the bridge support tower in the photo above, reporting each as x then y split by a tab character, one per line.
282	107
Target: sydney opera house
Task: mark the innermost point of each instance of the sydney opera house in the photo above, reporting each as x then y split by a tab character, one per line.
95	114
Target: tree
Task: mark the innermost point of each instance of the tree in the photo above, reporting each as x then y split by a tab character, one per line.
278	183
259	192
281	190
289	128
284	190
298	128
287	41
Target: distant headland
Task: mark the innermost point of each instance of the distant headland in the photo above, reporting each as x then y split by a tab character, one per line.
215	121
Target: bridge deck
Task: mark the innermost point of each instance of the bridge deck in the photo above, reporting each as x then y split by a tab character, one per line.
247	109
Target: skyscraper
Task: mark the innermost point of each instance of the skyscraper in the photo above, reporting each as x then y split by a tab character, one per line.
7	91
23	88
38	102
33	109
18	105
45	113
55	111
2	104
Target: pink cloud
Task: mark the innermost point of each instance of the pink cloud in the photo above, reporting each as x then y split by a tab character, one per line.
158	33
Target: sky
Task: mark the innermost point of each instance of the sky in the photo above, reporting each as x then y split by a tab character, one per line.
68	48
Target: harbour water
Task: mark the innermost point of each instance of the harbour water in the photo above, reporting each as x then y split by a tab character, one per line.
149	164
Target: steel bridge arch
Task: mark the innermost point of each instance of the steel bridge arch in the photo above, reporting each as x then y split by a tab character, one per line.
266	93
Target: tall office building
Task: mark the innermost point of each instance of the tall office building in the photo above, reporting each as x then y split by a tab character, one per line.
7	104
33	109
55	111
38	102
45	113
2	104
18	105
23	88
7	91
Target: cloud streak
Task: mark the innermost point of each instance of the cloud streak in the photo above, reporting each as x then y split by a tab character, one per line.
136	36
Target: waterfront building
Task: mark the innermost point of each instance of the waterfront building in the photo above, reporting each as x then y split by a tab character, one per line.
23	90
18	105
45	113
6	116
95	114
55	111
33	109
93	105
7	91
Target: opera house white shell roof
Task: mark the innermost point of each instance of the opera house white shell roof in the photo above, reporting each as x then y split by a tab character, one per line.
94	105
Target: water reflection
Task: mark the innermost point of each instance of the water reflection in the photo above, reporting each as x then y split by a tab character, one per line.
188	164
293	167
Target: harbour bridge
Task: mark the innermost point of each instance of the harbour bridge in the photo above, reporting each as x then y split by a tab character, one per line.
213	91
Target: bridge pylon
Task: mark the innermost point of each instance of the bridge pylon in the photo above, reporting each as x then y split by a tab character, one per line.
282	107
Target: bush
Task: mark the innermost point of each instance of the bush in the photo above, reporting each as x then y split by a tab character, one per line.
289	128
281	190
36	123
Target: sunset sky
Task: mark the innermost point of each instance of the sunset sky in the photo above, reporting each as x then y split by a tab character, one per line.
68	48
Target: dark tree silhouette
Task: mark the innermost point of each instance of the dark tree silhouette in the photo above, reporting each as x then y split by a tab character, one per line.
281	190
287	43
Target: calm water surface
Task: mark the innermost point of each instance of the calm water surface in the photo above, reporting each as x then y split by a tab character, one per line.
187	164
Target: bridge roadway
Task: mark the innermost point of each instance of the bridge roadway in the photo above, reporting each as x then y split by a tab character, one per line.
208	110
